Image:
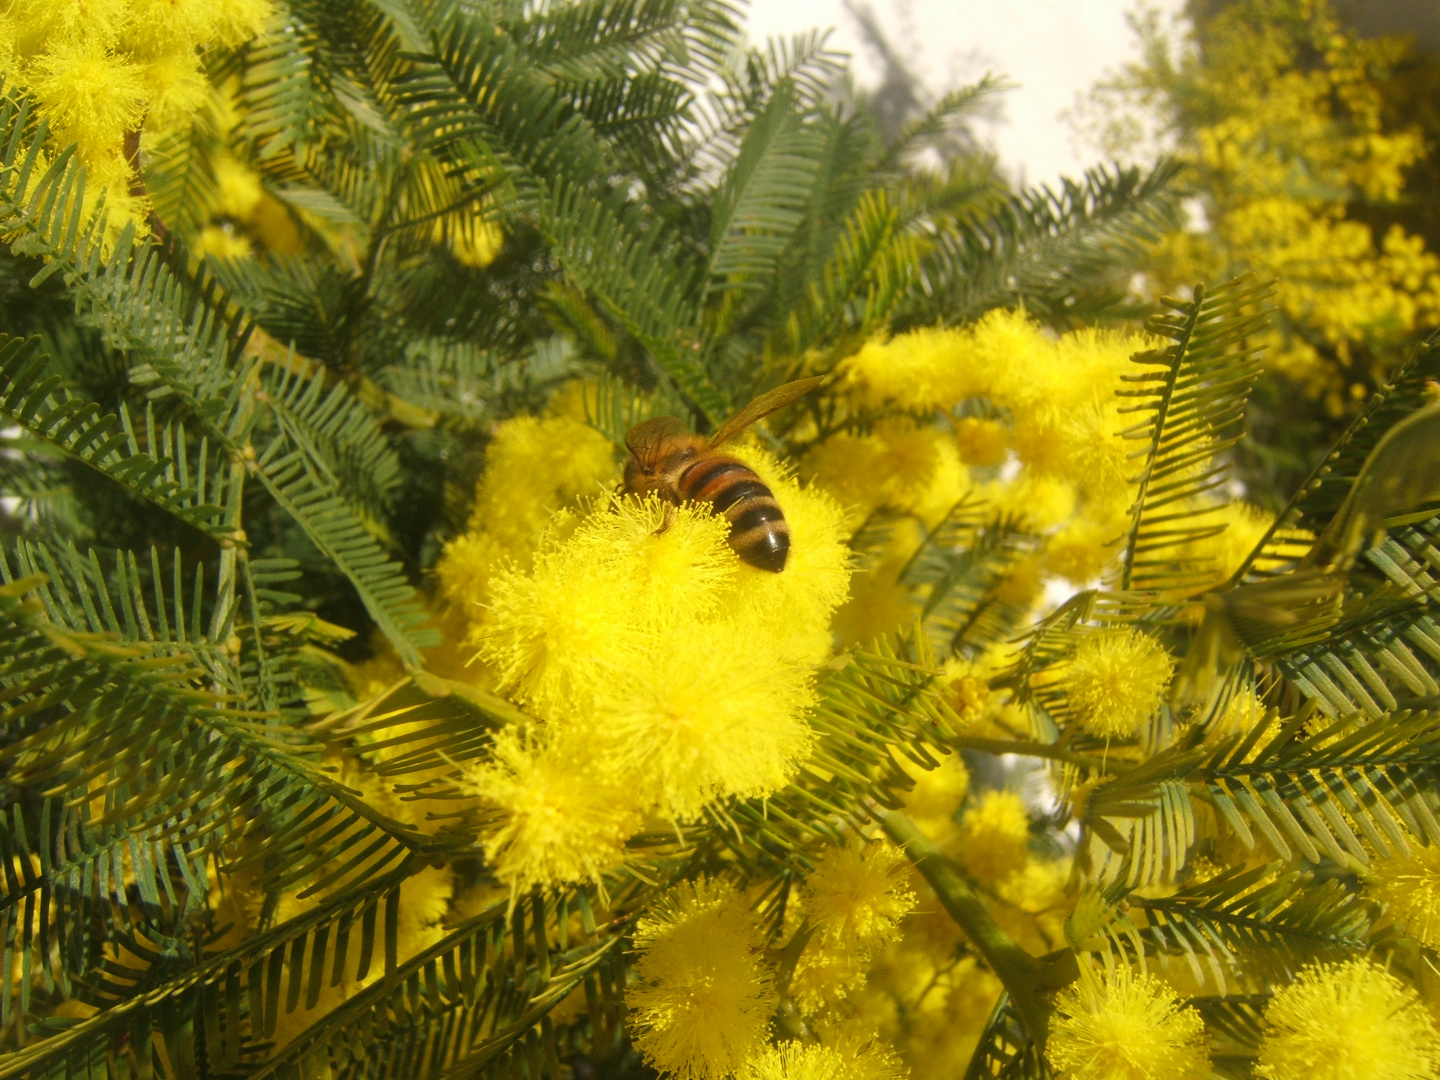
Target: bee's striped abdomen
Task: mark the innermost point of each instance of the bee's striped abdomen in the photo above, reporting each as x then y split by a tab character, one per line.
758	532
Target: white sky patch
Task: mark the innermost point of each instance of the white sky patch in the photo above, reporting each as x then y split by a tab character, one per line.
1054	50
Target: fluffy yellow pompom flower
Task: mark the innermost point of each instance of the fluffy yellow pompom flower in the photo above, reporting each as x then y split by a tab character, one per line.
798	1061
1351	1021
237	187
702	1006
1410	887
561	822
858	895
995	836
1125	1026
922	370
1116	681
902	465
89	95
827	973
175	88
982	442
533	467
1081	550
816	577
476	242
222	243
234	22
687	672
703	712
600	602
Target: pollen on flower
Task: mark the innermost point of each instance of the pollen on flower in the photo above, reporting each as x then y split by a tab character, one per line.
680	719
1410	887
175	89
801	1061
1125	1026
859	894
89	96
533	467
924	369
827	973
816	577
598	601
1116	681
701	1009
643	631
559	823
995	836
1350	1021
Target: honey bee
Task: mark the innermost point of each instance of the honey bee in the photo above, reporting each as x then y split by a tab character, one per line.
680	467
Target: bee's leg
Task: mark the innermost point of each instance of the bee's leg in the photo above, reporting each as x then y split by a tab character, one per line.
669	520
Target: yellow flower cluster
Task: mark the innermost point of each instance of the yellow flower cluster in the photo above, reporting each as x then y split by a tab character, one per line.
1116	681
243	209
855	900
995	837
1285	129
534	468
1410	887
1125	1026
702	1007
794	1061
665	673
1047	453
1351	1021
104	71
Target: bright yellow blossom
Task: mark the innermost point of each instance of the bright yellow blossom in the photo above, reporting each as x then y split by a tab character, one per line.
857	895
1283	126
642	631
798	1061
1351	1021
560	821
701	1008
89	95
995	836
1410	887
1116	681
111	75
982	442
533	468
222	243
1125	1026
936	796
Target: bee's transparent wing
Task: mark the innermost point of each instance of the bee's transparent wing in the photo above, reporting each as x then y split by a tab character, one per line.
645	438
763	405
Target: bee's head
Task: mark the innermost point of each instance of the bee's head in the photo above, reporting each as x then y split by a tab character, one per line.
658	472
637	477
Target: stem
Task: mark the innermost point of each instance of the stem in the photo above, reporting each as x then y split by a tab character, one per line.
1028	980
1026	748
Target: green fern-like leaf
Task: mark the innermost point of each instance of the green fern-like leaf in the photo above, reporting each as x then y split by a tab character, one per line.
1192	403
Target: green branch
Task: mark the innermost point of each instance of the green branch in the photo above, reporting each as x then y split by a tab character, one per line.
1029	980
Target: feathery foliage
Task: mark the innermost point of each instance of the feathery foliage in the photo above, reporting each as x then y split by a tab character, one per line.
354	723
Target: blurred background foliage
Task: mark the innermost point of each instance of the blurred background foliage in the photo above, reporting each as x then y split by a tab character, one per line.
1310	154
318	314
